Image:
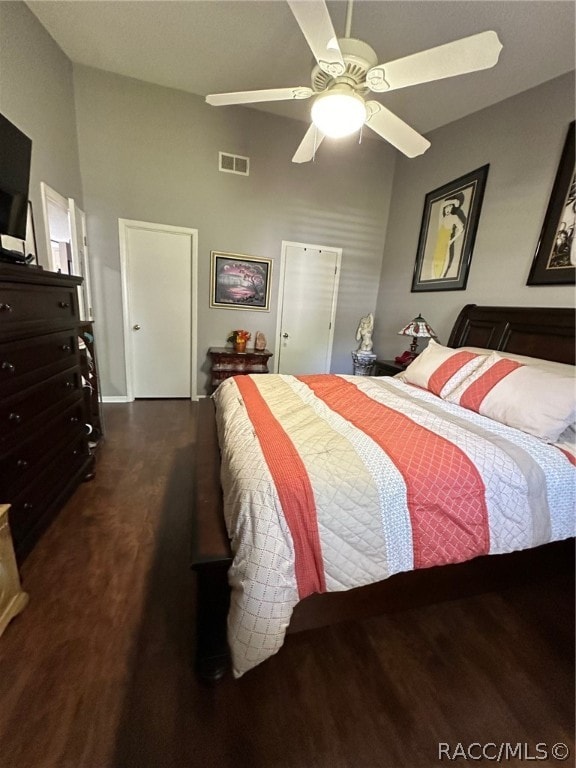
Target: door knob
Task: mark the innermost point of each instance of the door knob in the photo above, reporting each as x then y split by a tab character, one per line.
285	335
136	327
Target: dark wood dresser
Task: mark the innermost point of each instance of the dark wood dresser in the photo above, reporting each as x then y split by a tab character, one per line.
44	452
226	362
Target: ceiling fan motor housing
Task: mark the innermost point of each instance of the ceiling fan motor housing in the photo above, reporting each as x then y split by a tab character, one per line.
358	56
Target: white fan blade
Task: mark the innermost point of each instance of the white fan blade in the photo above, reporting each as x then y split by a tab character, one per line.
316	25
457	58
309	144
249	97
396	131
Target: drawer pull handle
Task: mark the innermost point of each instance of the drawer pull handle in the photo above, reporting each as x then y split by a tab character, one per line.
65	347
22	464
6	308
27	506
15	417
63	304
8	367
74	419
68	385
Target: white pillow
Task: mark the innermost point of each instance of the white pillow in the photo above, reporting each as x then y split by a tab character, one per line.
527	397
441	369
564	369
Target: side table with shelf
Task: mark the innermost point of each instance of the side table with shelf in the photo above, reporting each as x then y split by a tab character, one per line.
387	368
12	599
226	362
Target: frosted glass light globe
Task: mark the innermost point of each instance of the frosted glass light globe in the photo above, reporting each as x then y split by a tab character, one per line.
338	113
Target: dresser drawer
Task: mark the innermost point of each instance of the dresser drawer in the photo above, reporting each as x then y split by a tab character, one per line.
31	306
20	464
23	410
35	501
27	361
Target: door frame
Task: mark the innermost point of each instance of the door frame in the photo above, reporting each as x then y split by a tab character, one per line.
285	245
47	195
80	258
123	226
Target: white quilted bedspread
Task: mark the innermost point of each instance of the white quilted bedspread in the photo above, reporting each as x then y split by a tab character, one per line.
316	498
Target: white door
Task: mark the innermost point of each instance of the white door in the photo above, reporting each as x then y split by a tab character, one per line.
307	308
158	267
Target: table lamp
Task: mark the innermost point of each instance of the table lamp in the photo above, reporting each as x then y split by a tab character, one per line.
417	328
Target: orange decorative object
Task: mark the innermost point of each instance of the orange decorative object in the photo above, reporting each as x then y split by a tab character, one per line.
239	339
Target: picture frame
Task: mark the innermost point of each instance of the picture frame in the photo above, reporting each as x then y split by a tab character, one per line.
238	281
555	258
447	233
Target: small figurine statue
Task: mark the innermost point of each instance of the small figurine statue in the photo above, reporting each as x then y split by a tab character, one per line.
364	333
260	341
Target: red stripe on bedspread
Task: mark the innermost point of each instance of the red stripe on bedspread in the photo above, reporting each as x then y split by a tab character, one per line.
447	369
293	487
445	493
473	396
570	456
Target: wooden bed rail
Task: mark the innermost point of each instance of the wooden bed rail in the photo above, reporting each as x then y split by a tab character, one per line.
211	555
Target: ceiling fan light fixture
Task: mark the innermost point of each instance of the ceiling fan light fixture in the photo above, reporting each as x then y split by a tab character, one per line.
338	112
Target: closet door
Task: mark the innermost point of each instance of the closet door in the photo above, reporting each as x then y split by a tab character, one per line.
308	295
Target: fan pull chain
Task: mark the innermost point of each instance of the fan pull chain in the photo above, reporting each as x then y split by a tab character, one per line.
360	134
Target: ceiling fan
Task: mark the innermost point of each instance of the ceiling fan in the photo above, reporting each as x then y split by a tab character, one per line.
347	69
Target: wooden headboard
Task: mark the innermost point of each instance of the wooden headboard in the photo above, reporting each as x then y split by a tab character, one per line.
545	332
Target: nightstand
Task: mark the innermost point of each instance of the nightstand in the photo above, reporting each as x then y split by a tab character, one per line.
225	362
387	368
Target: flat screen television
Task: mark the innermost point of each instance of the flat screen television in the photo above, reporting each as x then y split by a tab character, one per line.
15	156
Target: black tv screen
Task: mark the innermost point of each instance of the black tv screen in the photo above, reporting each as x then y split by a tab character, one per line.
15	155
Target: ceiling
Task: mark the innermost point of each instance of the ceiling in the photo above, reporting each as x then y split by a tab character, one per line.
211	46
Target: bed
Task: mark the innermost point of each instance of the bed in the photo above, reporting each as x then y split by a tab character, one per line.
390	493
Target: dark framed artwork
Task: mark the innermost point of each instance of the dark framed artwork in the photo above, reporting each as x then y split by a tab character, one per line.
447	233
555	258
239	282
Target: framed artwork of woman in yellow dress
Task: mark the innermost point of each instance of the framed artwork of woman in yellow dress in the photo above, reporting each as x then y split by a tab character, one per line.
447	234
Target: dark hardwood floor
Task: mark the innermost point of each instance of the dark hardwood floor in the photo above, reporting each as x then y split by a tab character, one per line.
97	672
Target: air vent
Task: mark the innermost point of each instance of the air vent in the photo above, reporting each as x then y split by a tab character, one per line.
233	164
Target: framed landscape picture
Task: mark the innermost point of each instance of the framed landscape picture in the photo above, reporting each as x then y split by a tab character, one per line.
447	233
555	259
239	282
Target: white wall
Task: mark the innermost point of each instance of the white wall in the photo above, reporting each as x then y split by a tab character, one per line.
150	153
36	94
522	139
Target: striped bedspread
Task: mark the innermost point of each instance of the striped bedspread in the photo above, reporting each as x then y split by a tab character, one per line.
333	482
